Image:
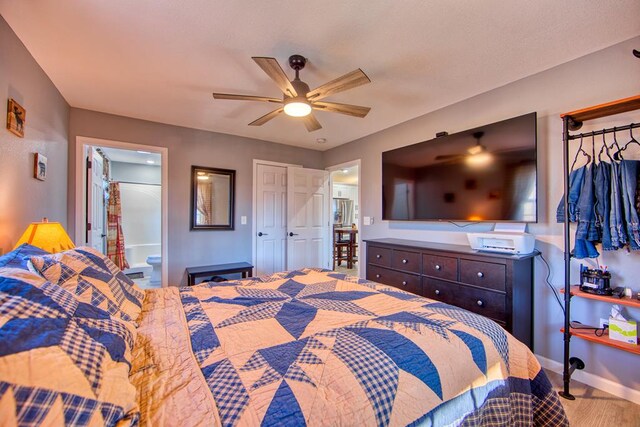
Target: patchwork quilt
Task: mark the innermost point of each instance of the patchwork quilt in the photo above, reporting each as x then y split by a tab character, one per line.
314	347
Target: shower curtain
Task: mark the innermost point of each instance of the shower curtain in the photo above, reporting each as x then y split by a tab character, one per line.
115	238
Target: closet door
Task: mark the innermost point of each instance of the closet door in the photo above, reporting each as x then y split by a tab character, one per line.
271	219
308	218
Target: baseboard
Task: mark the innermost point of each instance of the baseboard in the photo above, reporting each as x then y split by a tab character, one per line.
595	381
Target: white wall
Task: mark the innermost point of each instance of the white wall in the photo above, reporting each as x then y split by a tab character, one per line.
610	74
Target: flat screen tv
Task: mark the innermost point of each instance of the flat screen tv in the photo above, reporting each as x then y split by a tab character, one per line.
483	174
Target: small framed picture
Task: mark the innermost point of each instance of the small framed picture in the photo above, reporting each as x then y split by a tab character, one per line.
40	167
16	116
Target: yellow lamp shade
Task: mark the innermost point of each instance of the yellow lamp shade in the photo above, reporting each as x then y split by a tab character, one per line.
49	236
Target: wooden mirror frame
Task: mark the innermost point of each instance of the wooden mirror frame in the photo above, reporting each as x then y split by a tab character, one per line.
194	198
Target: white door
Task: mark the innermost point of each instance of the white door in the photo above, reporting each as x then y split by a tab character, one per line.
307	218
271	219
95	207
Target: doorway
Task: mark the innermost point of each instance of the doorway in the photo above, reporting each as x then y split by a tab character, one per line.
121	206
291	224
345	215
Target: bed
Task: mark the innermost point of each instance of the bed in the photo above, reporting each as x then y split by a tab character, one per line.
305	347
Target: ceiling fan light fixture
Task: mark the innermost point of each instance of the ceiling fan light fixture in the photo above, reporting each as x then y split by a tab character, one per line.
297	107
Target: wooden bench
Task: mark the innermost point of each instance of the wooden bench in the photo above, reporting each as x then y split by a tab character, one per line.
211	270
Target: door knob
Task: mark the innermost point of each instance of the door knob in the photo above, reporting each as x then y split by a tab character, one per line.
103	236
480	274
291	234
438	267
404	261
437	292
377	276
480	303
378	256
404	283
260	234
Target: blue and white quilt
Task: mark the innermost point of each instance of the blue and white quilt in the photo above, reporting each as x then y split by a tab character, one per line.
314	347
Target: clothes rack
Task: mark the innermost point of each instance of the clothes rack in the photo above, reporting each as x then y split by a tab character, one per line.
572	122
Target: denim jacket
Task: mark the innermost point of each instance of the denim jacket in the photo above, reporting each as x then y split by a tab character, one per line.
575	185
618	232
603	203
629	181
581	210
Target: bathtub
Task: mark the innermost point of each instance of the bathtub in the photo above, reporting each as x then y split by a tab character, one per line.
137	257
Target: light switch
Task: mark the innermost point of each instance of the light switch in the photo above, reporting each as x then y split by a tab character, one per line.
243	220
368	220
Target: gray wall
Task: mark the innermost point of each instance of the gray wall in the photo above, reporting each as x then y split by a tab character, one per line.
606	75
189	147
24	199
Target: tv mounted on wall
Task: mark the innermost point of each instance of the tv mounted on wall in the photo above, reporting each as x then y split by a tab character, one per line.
483	174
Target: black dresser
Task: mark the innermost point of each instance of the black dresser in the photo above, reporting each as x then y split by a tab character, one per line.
498	286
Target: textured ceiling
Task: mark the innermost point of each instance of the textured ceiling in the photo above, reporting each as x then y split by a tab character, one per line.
161	59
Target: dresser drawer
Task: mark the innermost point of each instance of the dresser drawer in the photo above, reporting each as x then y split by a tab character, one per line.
405	260
487	303
379	256
438	290
441	267
483	274
406	282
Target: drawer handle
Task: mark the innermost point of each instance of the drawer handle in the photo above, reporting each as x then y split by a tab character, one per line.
378	256
437	291
480	274
480	303
404	283
377	276
404	261
438	267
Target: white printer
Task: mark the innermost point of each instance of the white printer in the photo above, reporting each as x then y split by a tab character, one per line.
505	238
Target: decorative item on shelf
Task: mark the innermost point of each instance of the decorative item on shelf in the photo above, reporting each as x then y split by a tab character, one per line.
39	166
621	329
16	116
46	235
595	281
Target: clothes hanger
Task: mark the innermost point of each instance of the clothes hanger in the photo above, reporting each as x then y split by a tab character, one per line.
633	141
580	151
605	147
616	155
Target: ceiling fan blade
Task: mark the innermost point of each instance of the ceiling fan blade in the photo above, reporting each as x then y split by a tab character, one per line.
311	122
348	81
264	119
274	70
334	107
245	97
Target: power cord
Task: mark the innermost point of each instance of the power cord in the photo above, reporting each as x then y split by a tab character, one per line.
574	324
546	279
463	226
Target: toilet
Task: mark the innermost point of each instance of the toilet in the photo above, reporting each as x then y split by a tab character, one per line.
155	261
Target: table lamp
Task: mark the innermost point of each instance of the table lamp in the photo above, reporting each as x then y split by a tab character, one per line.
46	235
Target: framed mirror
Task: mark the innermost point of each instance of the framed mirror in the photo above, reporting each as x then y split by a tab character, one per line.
212	198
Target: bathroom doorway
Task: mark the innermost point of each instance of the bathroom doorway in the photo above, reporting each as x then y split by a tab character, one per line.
345	215
124	214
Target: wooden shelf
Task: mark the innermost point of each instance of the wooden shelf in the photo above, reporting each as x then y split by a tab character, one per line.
589	335
603	110
630	302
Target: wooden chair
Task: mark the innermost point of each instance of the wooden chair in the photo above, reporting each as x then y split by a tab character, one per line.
341	248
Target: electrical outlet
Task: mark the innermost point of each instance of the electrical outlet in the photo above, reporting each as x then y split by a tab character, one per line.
243	220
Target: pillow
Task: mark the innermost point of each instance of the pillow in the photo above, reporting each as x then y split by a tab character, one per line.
19	257
94	279
62	362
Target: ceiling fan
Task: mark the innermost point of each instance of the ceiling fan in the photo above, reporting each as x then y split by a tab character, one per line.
471	151
297	99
